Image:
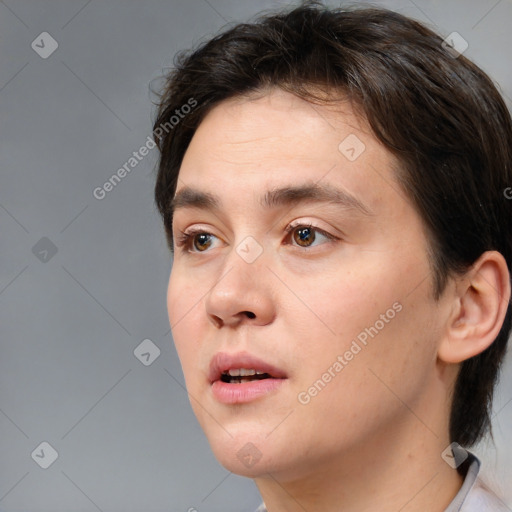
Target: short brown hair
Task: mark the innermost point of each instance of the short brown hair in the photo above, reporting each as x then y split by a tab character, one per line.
441	116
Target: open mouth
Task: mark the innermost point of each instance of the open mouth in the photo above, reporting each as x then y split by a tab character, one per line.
242	367
241	378
242	375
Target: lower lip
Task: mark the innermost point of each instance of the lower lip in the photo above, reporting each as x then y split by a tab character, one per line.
244	391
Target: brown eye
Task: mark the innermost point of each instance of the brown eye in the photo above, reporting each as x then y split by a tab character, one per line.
306	236
194	241
200	240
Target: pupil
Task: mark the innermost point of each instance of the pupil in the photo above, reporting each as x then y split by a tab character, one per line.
304	235
202	238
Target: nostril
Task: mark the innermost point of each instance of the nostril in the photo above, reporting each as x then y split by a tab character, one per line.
217	322
250	314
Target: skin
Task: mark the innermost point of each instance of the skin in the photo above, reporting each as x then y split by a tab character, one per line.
372	438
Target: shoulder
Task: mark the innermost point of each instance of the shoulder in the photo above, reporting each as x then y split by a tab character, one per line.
475	495
482	499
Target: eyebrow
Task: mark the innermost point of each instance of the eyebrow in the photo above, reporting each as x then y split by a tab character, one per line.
189	197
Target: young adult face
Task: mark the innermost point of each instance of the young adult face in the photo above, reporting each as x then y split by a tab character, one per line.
362	268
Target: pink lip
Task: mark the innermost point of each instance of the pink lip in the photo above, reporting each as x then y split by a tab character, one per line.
223	361
244	391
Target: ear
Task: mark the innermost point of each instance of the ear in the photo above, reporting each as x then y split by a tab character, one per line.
480	304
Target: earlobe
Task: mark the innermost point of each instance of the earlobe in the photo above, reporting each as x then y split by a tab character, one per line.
482	298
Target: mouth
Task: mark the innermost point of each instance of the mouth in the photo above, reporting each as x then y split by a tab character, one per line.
241	367
243	375
242	378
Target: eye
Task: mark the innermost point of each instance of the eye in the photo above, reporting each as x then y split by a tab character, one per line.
306	234
197	240
186	240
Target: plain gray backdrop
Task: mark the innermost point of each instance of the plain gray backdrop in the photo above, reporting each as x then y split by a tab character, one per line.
83	280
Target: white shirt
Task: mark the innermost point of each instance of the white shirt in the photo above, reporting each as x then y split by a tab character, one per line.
473	496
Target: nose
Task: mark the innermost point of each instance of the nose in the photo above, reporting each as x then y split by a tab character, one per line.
242	294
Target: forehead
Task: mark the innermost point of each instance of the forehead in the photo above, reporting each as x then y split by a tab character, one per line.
259	143
278	123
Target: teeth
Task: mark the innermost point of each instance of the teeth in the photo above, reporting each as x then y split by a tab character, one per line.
243	372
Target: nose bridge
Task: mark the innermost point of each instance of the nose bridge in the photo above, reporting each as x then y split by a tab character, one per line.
241	287
249	249
243	266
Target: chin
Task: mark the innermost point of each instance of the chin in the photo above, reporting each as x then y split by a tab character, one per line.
242	453
251	456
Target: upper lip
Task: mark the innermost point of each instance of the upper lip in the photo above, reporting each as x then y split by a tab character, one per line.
223	361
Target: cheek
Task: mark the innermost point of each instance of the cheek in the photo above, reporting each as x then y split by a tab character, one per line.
183	300
371	383
184	311
172	293
344	300
380	327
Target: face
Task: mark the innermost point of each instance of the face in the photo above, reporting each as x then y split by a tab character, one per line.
331	296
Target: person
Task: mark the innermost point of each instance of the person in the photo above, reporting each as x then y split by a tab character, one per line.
333	186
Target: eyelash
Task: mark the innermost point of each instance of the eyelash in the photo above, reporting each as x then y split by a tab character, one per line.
185	238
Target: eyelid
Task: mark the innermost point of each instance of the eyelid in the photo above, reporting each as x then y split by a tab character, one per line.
185	238
305	224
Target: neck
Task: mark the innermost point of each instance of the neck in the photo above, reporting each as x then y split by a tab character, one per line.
402	469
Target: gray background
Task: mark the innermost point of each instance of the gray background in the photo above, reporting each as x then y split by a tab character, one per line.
124	432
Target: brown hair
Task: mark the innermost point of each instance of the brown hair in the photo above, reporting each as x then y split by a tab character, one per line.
441	116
